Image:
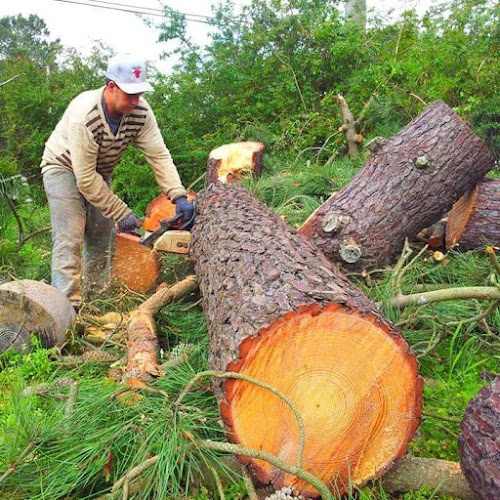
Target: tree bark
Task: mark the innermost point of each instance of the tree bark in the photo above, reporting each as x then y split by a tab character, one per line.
474	220
404	187
479	442
143	347
232	160
280	313
442	477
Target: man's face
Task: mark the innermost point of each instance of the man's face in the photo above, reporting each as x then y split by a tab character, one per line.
121	102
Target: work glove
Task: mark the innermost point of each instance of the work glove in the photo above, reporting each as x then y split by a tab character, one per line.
184	207
129	223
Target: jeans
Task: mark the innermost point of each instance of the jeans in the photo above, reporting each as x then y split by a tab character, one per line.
76	224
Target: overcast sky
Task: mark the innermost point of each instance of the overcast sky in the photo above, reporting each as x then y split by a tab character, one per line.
79	25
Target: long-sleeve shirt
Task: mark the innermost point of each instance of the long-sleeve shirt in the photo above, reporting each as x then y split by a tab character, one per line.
82	141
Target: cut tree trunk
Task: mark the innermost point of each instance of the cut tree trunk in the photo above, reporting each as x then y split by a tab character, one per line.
474	220
233	160
280	313
404	187
479	442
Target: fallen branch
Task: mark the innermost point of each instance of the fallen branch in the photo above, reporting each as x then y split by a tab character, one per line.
12	467
142	342
133	473
464	293
10	79
237	449
442	477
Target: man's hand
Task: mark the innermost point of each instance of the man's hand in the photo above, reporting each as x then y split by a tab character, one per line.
184	207
129	223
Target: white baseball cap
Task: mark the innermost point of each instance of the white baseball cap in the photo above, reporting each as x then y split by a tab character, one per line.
129	73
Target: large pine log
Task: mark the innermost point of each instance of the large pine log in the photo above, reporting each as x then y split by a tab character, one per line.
404	187
279	312
479	442
474	220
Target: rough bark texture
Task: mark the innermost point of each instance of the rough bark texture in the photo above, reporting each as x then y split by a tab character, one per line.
479	442
280	313
474	220
442	477
404	187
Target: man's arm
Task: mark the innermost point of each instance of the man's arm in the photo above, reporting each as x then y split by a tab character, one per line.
92	186
151	143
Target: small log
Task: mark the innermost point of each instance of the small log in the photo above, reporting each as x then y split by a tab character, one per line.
232	160
437	235
133	264
442	477
404	187
280	313
479	442
161	208
143	347
474	220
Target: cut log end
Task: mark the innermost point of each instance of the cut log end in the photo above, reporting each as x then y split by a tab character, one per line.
236	158
473	220
459	216
355	385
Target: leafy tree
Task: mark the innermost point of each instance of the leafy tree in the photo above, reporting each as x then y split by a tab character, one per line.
27	38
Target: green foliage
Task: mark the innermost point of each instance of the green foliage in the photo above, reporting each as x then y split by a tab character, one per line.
20	37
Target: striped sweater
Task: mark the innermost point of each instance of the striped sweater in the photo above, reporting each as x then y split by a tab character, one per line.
83	142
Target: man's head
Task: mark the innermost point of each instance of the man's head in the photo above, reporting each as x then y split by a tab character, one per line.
129	73
125	82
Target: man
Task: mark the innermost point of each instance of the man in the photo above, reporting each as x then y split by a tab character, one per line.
77	164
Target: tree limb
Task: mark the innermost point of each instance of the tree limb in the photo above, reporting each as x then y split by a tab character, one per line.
463	293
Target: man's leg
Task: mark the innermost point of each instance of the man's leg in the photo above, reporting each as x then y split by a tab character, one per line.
68	216
96	251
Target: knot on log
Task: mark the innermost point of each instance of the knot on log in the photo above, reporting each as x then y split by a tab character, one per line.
422	162
334	222
350	252
376	143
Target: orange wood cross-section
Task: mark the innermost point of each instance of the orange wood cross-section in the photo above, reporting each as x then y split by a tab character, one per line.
161	208
135	265
234	159
354	383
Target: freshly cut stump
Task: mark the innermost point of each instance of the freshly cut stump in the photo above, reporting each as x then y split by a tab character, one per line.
232	160
474	220
479	442
279	312
405	186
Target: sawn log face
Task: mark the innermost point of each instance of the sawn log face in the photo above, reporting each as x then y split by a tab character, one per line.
474	220
279	312
405	186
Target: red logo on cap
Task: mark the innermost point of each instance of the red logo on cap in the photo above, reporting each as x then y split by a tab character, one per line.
137	72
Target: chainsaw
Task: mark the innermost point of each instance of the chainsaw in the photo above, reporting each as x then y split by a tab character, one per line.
171	236
133	258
